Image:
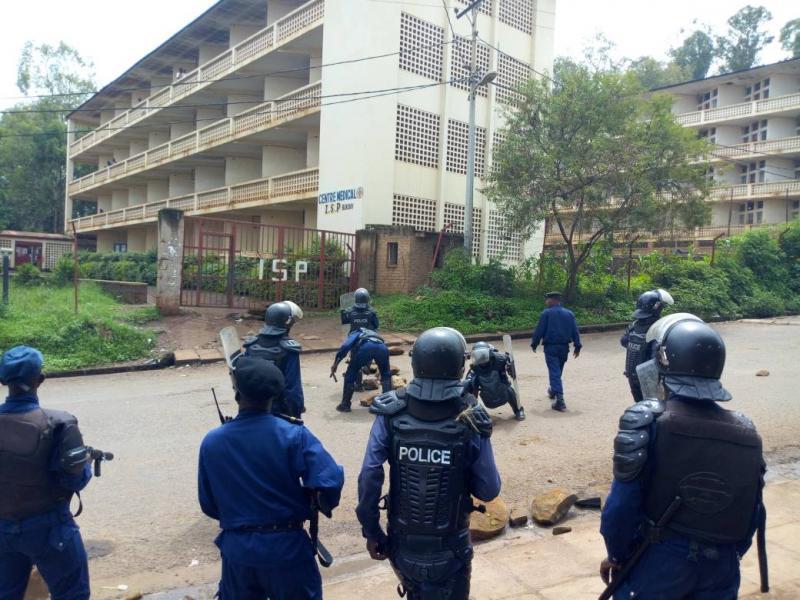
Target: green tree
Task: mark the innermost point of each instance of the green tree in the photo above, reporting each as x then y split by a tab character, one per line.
695	55
790	37
591	153
745	38
652	73
33	137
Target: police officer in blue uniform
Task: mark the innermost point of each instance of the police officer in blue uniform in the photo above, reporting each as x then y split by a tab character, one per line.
43	462
274	344
488	376
638	350
557	328
436	440
256	474
688	478
361	314
363	346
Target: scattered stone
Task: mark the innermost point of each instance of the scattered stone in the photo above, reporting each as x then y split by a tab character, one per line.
311	338
394	370
518	518
395	351
593	502
370	383
135	596
398	382
762	373
489	524
551	506
561	529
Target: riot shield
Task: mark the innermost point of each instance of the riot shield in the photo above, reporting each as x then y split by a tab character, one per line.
231	346
647	372
512	365
346	301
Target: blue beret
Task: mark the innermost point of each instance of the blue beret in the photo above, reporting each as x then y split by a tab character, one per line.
258	379
20	364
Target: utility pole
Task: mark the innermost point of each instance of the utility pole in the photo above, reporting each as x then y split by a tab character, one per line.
476	79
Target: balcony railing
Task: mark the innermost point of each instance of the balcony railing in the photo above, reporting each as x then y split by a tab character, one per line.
281	188
748	191
749	149
269	114
233	59
744	109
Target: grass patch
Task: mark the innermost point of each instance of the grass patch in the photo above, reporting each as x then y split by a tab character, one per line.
43	317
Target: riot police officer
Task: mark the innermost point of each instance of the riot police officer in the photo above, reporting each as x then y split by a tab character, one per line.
361	314
363	346
274	344
489	376
256	475
43	462
436	440
648	311
688	477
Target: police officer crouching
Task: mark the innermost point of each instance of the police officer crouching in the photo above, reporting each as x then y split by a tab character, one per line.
249	479
436	440
488	376
363	346
274	344
638	350
43	462
360	315
688	477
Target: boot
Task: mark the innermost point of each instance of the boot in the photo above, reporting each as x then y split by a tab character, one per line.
559	404
519	414
386	384
359	387
551	394
347	397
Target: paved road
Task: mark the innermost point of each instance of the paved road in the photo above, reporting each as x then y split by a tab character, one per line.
143	518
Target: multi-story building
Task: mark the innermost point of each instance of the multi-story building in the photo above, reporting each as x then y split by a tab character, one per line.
327	114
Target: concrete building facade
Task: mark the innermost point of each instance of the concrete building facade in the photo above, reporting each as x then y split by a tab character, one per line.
327	114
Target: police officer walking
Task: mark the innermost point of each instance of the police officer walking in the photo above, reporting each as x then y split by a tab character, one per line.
363	346
557	328
43	462
361	314
256	476
436	440
638	350
488	376
274	344
688	477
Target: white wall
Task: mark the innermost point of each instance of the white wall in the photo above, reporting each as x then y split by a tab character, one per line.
137	195
208	178
157	190
104	203
729	135
239	33
312	149
137	147
783	85
238	170
277	9
238	103
206	52
779	169
684	103
180	184
275	87
180	129
781	127
277	161
156	138
730	94
119	199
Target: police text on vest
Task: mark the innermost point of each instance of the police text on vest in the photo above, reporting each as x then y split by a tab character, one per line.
424	455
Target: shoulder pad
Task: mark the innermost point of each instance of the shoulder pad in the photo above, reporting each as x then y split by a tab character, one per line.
744	420
389	404
290	345
637	416
60	417
477	419
633	438
655	405
249	340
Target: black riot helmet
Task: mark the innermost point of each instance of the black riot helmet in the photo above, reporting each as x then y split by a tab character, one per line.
481	353
690	358
362	298
280	317
650	304
439	353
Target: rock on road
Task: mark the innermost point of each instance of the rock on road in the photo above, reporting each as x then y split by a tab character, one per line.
144	528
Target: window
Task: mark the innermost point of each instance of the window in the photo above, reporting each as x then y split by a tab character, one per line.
419	213
457	146
421	47
710	135
501	241
510	74
797	169
485	8
751	213
755	131
753	172
454	214
757	91
459	63
392	251
517	14
795	213
707	100
120	247
417	136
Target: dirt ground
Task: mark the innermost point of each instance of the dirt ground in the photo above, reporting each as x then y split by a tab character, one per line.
144	528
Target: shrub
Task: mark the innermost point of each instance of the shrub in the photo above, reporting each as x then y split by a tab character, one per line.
458	273
28	275
759	251
63	271
763	304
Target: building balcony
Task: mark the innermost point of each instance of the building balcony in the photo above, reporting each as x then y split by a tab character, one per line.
757	150
751	191
290	187
263	42
295	105
742	111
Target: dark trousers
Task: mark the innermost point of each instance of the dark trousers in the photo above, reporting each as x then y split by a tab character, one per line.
453	586
363	356
59	555
555	356
299	581
683	569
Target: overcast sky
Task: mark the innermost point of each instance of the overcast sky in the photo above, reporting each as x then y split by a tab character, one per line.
119	34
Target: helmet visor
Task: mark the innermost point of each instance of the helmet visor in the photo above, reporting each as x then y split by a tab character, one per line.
658	330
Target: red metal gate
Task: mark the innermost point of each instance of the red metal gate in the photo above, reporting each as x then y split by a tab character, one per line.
237	264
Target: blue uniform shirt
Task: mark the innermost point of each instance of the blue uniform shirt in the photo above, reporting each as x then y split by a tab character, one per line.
484	480
255	470
557	327
347	346
72	483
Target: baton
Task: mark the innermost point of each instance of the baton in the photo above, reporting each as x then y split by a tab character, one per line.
333	375
763	567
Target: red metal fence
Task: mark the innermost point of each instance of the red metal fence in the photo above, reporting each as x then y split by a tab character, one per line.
237	264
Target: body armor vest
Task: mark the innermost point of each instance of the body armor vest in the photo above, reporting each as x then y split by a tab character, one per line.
358	318
368	336
268	347
712	459
493	386
637	349
26	448
429	460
